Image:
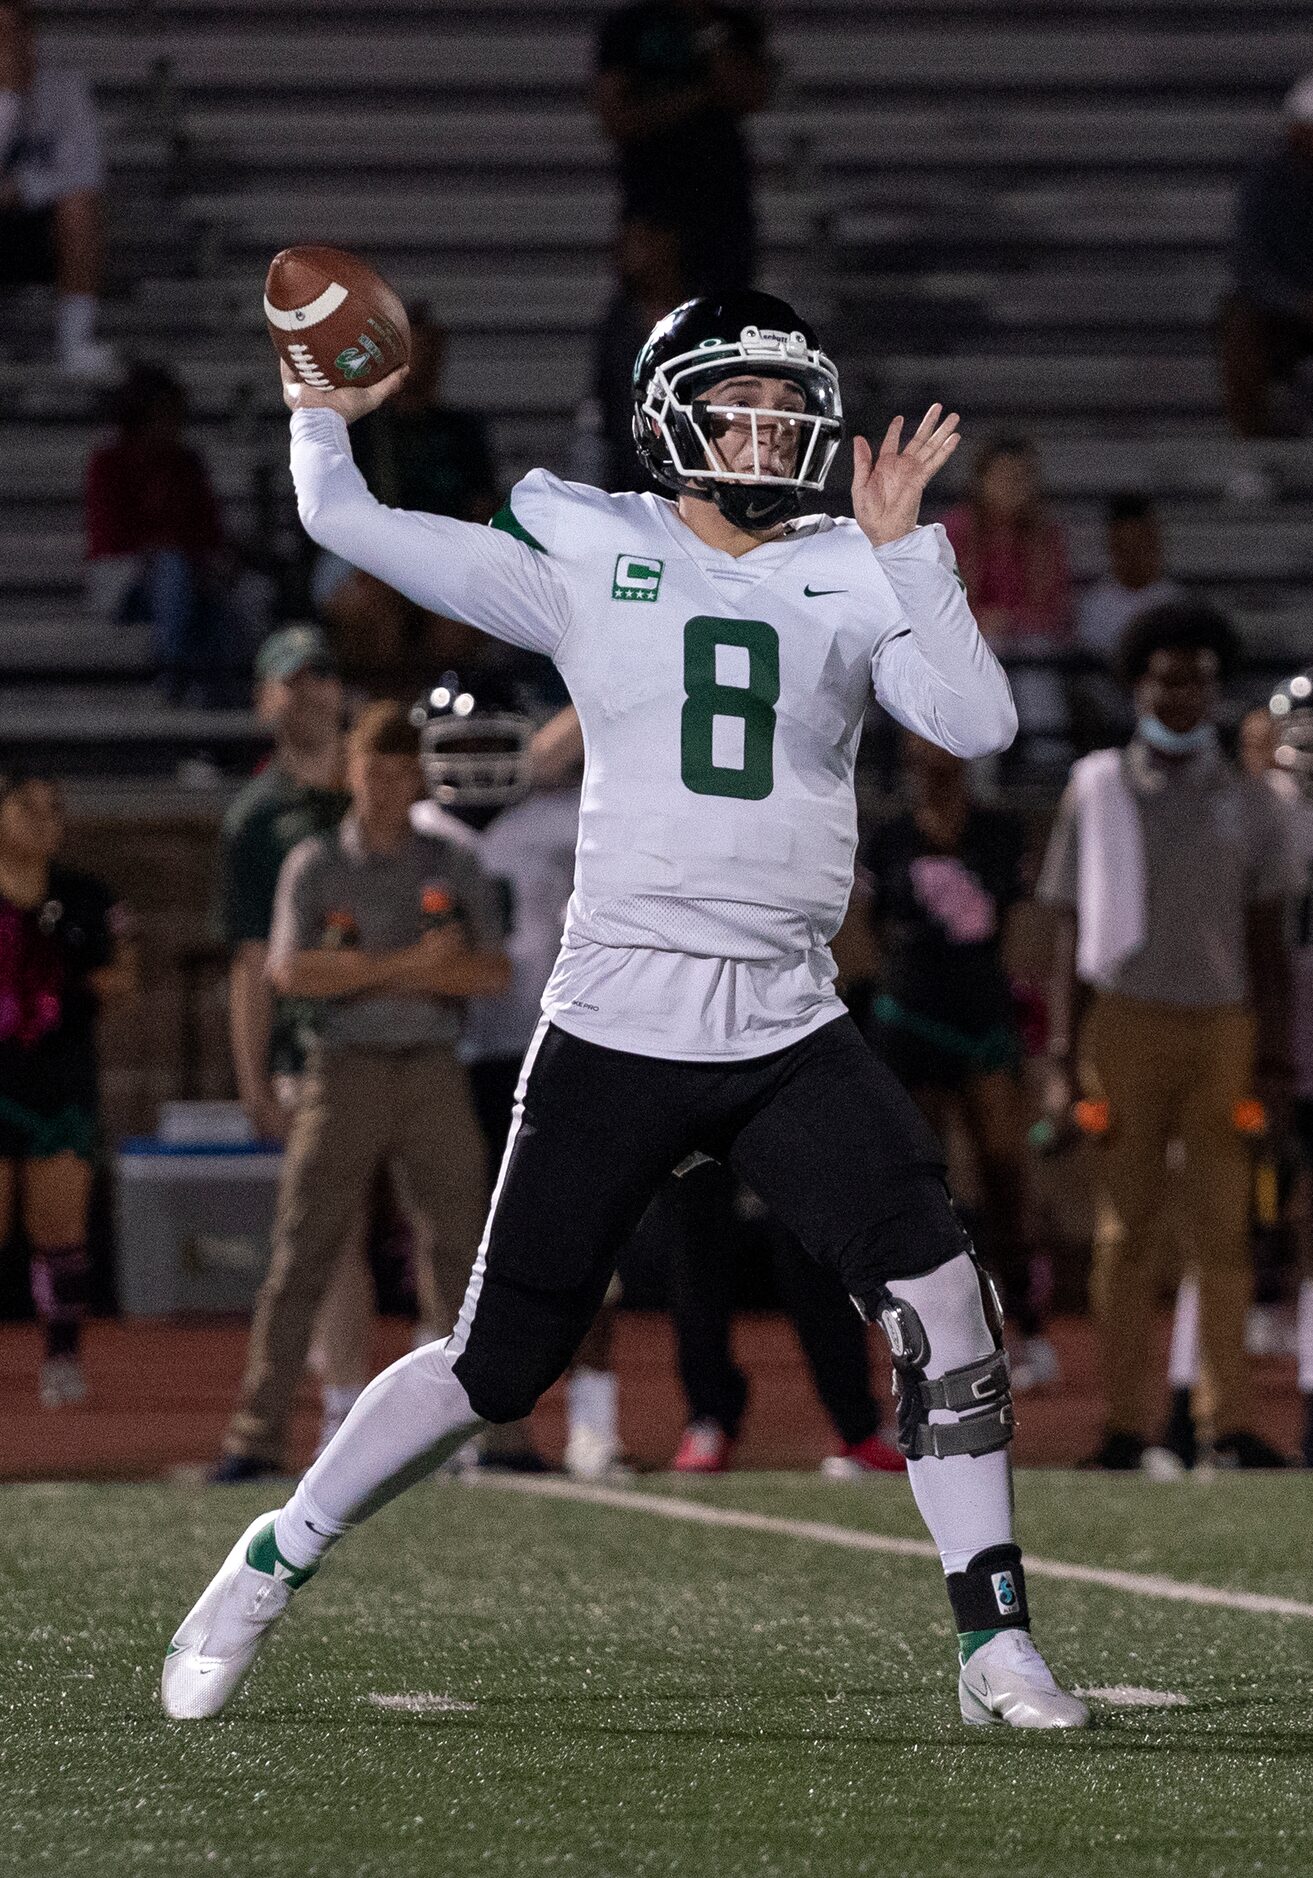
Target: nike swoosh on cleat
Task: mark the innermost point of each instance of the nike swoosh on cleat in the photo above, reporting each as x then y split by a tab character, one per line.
817	593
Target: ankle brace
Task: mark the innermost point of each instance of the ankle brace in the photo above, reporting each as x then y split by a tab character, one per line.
991	1593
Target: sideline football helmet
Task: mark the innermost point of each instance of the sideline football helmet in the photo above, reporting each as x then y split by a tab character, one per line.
474	749
1291	705
676	429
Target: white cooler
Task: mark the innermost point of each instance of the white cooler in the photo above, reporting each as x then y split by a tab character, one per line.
194	1223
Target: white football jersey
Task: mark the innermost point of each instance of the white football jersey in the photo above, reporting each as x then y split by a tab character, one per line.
721	700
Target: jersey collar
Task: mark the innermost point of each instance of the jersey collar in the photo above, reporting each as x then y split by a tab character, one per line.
749	569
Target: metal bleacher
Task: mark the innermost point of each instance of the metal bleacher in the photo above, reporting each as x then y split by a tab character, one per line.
1021	206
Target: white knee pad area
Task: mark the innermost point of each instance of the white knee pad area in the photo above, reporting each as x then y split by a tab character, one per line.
949	1304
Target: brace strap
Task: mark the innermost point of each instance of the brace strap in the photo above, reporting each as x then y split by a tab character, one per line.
979	1392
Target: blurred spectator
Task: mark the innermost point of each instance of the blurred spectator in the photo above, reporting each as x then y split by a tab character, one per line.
1169	870
945	876
64	947
300	792
1135	581
1012	556
1267	321
414	453
51	175
675	79
155	544
1011	553
1289	737
1274	750
651	283
381	933
1136	578
693	1218
520	816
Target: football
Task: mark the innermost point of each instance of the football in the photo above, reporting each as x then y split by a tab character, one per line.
335	321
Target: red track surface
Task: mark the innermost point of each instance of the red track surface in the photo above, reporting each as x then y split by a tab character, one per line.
161	1392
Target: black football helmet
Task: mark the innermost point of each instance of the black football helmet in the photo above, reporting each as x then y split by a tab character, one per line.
1291	705
473	745
675	428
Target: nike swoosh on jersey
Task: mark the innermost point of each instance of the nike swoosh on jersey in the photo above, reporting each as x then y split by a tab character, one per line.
817	593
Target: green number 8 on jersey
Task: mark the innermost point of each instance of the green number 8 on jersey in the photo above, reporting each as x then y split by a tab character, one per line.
727	728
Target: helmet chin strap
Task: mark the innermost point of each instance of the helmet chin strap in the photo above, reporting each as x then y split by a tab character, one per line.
755	509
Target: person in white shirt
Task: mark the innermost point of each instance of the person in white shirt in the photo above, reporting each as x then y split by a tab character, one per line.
1134	582
1136	578
52	175
721	651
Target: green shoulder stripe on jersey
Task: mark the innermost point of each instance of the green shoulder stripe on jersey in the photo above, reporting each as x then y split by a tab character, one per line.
510	524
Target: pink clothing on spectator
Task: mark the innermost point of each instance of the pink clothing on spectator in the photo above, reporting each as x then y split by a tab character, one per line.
1022	572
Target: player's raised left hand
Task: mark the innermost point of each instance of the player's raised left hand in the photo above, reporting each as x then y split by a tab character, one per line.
887	488
350	402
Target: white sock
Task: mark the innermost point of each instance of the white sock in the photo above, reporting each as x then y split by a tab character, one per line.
403	1426
592	1402
1183	1361
1304	1336
75	320
964	1499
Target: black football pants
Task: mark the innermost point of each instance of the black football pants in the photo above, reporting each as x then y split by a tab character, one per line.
821	1131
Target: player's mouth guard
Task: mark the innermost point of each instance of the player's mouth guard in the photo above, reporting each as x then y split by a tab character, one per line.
769	355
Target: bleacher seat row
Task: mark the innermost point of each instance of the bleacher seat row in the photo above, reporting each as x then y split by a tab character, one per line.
1020	207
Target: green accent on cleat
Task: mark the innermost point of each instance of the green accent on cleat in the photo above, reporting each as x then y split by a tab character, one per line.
262	1555
969	1641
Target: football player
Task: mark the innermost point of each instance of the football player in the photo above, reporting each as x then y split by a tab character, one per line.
721	649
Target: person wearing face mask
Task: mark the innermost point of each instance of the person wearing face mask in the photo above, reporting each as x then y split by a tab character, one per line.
1167	868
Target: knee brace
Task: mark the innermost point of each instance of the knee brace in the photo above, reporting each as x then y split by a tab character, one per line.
977	1392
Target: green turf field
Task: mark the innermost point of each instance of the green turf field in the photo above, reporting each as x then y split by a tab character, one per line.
652	1697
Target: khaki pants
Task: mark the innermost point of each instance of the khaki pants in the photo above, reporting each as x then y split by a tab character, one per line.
1170	1073
358	1109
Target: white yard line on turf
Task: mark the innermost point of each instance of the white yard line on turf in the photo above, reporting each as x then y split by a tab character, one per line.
1138	1584
1126	1695
423	1702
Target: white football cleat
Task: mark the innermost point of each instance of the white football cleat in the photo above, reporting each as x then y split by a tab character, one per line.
592	1454
220	1637
1007	1680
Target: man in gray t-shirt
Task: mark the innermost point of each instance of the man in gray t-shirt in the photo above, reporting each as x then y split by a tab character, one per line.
383	933
1169	870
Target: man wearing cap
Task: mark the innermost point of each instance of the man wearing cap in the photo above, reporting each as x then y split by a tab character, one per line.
382	932
299	792
1267	321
